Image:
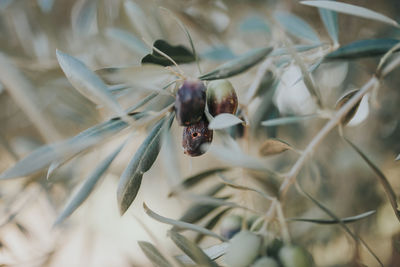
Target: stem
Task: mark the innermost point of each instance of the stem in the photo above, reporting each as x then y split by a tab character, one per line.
335	120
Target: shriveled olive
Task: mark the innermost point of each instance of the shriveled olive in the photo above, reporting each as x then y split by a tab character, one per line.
221	97
190	102
195	136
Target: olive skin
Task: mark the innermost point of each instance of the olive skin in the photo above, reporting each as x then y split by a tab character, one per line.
194	136
221	97
294	256
231	225
243	250
190	102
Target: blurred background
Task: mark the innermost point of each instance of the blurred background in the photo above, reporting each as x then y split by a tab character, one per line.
39	106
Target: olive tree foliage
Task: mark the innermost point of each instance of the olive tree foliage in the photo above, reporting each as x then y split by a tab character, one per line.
285	108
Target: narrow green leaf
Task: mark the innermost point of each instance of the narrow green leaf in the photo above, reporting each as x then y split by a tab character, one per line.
287	120
343	100
362	49
144	158
344	220
218	53
191	249
224	120
88	186
299	48
343	225
237	65
179	224
212	223
273	146
178	53
137	17
296	26
382	179
83	17
246	188
254	23
351	10
213	252
87	82
128	40
330	20
153	254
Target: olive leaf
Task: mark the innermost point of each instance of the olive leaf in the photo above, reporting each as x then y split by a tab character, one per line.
351	10
128	40
179	224
83	17
224	120
287	120
382	179
213	252
254	23
212	223
330	20
273	146
237	65
88	186
296	26
344	220
362	49
398	157
343	100
191	249
87	82
144	158
153	254
179	54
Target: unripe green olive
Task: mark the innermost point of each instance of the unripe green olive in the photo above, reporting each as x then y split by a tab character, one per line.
294	256
190	102
221	97
195	136
265	262
231	225
243	250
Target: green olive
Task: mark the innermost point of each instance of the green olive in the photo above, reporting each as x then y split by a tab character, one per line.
243	250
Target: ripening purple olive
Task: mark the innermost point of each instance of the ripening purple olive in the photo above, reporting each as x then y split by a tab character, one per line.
195	136
190	102
221	97
231	225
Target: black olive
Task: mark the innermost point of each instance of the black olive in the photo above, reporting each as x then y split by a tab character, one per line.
190	102
221	97
194	136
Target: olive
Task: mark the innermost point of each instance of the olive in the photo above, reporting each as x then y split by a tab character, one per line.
231	225
190	102
294	256
243	250
221	97
195	136
265	262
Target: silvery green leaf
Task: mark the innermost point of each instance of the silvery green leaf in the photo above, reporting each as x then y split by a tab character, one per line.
296	26
287	120
342	101
128	40
398	157
351	10
237	65
88	186
330	20
299	48
84	17
144	158
213	252
191	249
224	120
218	53
87	82
362	49
170	160
153	254
254	23
183	225
138	19
212	223
344	220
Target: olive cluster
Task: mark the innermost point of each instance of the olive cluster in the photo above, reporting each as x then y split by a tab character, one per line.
251	249
190	104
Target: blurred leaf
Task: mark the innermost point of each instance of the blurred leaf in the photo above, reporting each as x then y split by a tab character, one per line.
237	65
197	212
191	249
398	157
296	26
343	100
138	19
218	53
246	188
213	252
299	48
144	158
254	23
88	186
128	40
342	224
330	20
287	120
87	82
273	146
178	53
351	10
84	17
183	225
344	220
224	120
212	223
197	178
362	49
153	254
382	179
45	5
